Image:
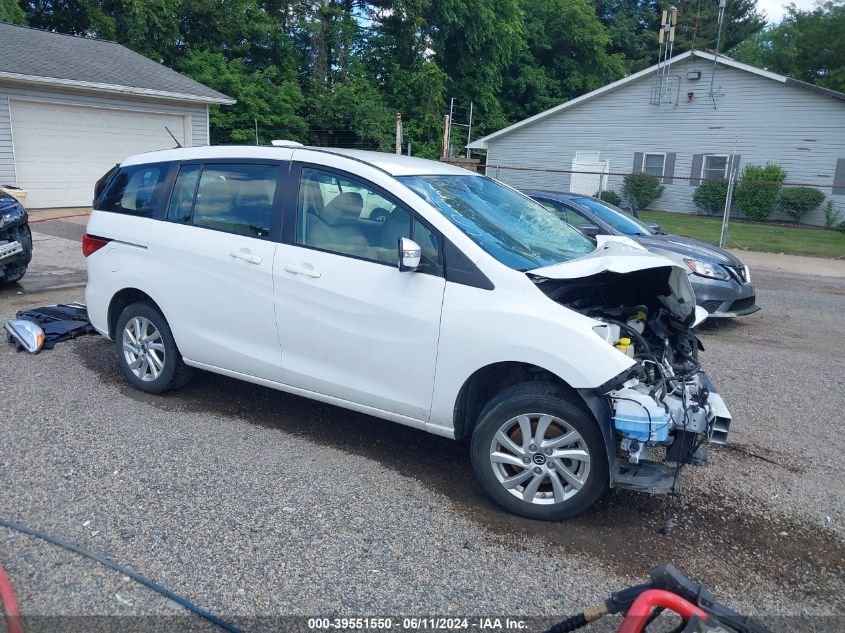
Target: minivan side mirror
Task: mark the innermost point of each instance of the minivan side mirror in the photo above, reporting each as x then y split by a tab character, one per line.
654	227
590	230
409	254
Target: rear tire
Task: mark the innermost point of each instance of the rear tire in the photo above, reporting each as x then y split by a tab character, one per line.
146	350
559	470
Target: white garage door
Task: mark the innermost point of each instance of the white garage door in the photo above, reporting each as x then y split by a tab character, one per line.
61	150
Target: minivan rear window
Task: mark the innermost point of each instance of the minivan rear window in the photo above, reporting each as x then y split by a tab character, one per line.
134	190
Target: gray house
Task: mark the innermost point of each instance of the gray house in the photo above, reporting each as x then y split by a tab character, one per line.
71	107
670	123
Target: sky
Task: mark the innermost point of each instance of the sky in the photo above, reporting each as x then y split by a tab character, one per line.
774	8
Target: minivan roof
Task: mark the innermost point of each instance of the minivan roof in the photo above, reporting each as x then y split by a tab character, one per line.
393	164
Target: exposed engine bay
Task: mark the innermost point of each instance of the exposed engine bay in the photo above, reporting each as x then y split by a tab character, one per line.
665	399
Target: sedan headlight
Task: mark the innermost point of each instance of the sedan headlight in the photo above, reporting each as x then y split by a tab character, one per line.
15	214
706	269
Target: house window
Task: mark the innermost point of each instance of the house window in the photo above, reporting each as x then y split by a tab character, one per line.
714	167
654	164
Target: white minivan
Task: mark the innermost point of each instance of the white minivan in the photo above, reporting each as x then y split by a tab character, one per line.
414	291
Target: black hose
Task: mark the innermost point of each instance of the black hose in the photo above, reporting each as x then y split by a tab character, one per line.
569	624
55	540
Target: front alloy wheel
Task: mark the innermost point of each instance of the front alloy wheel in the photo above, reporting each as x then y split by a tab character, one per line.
540	459
539	453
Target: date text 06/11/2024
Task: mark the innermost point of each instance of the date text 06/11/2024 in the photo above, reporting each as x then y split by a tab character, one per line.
492	624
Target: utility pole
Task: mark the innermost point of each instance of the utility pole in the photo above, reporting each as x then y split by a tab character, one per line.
256	130
451	121
445	151
398	133
721	21
732	167
469	129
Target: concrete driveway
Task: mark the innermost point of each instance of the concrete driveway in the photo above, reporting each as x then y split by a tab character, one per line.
257	504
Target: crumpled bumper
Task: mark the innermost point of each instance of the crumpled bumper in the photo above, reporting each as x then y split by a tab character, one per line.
9	250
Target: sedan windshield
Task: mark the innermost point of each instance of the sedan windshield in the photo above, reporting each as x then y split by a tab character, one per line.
615	217
513	228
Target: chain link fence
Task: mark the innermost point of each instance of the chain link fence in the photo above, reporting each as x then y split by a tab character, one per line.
756	199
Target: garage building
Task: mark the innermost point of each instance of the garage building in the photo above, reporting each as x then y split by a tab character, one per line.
72	107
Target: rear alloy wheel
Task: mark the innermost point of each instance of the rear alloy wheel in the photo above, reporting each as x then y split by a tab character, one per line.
537	454
147	352
143	349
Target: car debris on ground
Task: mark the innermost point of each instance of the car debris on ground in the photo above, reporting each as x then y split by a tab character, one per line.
41	328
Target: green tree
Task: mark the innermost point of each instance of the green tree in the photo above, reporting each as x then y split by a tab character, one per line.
698	23
474	42
398	56
352	113
806	45
74	17
263	95
10	12
551	69
632	26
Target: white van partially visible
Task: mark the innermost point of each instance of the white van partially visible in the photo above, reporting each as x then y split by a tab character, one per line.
414	291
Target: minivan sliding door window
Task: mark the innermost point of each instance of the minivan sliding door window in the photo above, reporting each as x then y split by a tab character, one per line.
235	198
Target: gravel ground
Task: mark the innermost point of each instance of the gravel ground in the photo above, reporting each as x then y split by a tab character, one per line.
251	502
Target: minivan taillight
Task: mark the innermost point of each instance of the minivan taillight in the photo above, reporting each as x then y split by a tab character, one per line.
91	244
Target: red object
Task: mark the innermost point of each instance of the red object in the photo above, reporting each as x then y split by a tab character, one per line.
91	244
640	611
59	217
13	616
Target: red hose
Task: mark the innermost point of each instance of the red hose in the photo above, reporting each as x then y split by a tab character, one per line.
640	611
13	616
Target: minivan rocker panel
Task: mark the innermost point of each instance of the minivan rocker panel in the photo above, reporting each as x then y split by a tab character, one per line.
414	291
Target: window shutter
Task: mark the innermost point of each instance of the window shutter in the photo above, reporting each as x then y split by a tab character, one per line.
695	172
735	165
839	178
638	163
669	169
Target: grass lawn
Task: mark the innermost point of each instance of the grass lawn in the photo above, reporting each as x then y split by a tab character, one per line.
770	238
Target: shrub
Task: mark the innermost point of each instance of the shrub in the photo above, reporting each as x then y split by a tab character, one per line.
756	195
831	216
710	196
797	202
642	189
612	197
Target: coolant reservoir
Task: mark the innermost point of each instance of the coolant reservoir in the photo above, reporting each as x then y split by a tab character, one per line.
637	321
637	416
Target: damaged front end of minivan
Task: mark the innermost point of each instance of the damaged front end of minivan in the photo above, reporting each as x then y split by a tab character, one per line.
658	412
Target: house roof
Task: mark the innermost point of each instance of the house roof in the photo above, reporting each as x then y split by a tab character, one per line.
54	59
726	61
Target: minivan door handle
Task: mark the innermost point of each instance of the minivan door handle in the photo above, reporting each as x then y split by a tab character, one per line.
246	256
293	269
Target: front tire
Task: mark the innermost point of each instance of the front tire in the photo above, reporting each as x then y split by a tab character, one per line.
539	455
12	275
146	350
